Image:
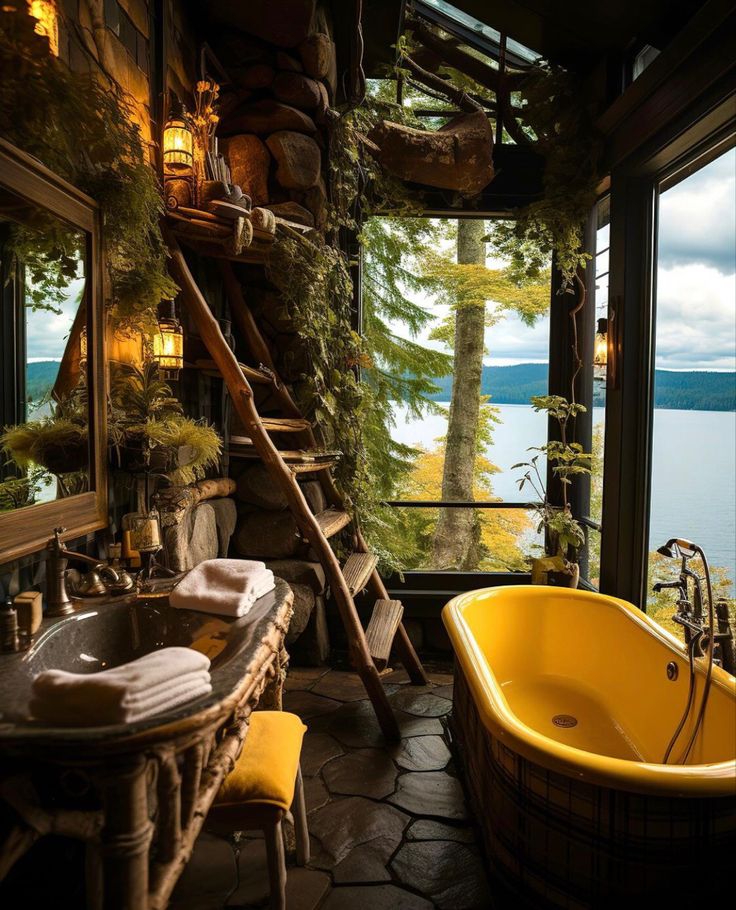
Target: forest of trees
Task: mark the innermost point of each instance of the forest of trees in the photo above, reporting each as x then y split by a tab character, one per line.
694	390
442	262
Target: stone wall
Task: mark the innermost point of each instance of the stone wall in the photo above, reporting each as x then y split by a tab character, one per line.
273	127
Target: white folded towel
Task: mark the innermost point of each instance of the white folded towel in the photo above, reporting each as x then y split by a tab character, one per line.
228	587
150	685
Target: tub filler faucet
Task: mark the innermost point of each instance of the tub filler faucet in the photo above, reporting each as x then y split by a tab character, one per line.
701	637
100	579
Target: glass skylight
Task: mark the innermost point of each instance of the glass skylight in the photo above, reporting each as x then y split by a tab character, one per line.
472	27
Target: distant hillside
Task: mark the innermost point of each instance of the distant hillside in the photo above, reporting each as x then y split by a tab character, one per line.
692	391
40	378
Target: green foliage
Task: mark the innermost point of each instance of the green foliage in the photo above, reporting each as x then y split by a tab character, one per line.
145	415
566	137
40	442
17	492
190	446
568	460
83	129
315	285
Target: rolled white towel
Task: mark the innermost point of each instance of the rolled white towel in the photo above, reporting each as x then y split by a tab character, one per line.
227	587
155	682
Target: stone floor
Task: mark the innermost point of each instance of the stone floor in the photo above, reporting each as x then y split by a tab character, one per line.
389	825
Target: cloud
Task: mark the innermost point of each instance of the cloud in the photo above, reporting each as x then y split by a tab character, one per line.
46	332
697	218
696	318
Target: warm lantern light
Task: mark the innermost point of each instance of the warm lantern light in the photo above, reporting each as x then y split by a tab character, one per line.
47	22
168	344
178	141
600	350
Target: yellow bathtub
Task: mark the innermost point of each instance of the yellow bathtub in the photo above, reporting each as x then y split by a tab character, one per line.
564	707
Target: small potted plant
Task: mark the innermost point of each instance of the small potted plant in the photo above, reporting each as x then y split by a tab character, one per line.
563	533
149	431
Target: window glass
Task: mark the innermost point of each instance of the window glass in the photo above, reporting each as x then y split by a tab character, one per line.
457	350
694	442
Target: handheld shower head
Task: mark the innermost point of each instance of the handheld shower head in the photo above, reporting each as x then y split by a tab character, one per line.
678	548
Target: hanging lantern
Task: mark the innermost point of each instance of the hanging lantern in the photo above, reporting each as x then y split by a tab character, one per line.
47	22
600	350
168	344
178	141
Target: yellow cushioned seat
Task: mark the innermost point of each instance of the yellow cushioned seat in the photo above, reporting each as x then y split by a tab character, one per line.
265	773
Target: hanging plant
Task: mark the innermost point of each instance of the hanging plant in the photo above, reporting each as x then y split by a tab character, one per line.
82	127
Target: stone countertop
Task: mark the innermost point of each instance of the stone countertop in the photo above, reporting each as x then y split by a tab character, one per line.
109	634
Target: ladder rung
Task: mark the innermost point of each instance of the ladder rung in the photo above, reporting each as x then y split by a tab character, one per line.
285	424
382	629
358	569
210	368
332	520
313	459
310	467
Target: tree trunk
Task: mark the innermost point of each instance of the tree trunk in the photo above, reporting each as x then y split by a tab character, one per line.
457	536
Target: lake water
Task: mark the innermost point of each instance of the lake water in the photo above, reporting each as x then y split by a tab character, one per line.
693	471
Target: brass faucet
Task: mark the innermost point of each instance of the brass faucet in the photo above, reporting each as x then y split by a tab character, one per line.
102	579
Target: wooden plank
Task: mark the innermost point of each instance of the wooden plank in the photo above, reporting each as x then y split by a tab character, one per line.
358	569
251	373
331	521
382	629
311	467
285	424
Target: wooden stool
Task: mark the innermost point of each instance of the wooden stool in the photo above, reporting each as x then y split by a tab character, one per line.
264	784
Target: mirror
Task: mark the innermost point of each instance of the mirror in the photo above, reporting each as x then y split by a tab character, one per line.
52	390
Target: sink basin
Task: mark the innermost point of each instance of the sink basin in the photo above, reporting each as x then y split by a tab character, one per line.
109	634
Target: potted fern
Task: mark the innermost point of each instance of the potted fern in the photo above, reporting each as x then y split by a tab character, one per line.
149	431
563	533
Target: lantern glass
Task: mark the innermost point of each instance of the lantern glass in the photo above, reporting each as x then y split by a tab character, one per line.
47	22
168	345
178	144
600	350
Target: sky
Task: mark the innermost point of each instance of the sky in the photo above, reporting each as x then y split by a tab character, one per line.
696	281
47	332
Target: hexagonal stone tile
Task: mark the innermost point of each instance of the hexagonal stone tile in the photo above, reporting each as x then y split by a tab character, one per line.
354	725
440	679
364	772
448	873
317	750
420	704
315	793
305	888
422	753
345	824
344	686
303	677
377	897
427	829
411	725
209	875
433	793
308	705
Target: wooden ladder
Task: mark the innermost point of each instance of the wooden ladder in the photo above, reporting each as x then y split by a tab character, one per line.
369	648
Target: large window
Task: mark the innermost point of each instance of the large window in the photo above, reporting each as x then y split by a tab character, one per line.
458	351
694	429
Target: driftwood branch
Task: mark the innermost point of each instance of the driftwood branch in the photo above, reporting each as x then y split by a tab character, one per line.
438	84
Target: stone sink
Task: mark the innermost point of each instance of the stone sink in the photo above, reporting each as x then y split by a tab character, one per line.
106	634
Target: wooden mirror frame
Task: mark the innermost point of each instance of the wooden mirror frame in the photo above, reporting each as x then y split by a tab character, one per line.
27	530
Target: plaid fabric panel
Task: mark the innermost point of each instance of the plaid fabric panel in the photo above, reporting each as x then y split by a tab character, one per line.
576	845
